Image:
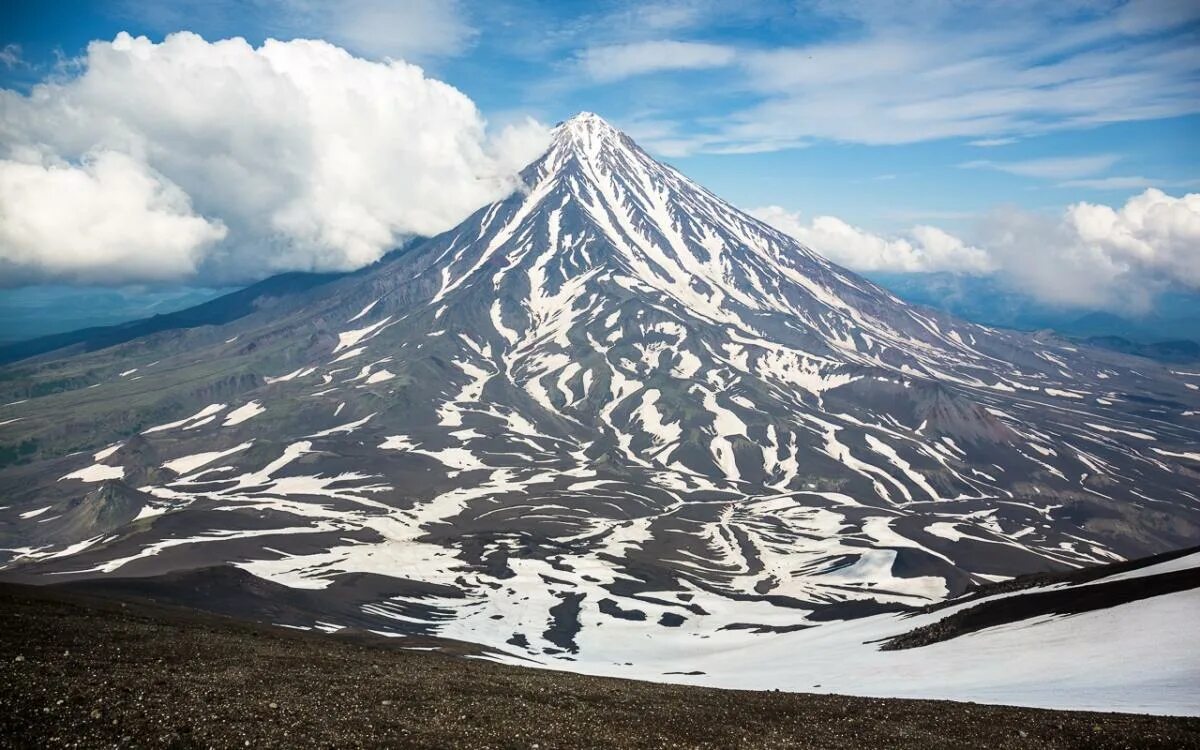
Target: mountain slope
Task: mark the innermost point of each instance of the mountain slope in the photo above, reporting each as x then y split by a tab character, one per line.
277	688
608	408
224	309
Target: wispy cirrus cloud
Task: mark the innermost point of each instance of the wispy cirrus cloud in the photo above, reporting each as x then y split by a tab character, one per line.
992	142
990	73
1058	168
664	15
619	61
1132	182
10	56
413	30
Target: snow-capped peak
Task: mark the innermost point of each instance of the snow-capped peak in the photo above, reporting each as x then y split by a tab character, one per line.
589	138
614	399
588	122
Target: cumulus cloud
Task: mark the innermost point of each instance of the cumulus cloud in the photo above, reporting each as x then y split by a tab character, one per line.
1089	256
618	61
308	157
1152	230
109	219
1099	256
925	249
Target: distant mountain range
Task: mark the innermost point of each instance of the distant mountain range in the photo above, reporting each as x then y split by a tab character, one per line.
42	319
1175	317
610	423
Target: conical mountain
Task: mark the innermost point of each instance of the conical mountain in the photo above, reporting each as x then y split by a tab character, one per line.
610	401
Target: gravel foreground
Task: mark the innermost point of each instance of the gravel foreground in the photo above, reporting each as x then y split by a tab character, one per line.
78	671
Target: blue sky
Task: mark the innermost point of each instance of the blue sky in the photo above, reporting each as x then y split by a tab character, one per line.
982	120
516	58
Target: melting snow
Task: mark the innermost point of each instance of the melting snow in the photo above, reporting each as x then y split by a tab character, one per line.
185	464
205	415
97	473
242	413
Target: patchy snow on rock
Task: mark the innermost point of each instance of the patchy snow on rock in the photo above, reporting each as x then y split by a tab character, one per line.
379	376
362	313
1190	455
1131	433
97	473
297	373
242	413
343	429
205	416
348	339
105	453
186	464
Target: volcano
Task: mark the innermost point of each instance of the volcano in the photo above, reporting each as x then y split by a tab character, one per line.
610	423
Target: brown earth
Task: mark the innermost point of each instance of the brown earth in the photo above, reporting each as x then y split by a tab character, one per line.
80	671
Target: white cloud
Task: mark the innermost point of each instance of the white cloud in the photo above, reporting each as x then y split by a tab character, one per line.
1090	256
926	249
1153	232
671	15
646	19
667	138
109	219
618	61
889	73
413	29
1097	256
992	142
1061	168
1130	182
10	56
402	29
310	157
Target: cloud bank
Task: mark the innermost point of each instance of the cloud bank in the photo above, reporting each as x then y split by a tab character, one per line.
1091	256
220	162
926	249
94	221
1098	256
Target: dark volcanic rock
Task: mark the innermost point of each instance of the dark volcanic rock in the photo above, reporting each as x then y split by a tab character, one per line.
610	385
86	673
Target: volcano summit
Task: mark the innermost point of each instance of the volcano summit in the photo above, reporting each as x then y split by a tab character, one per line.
612	423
